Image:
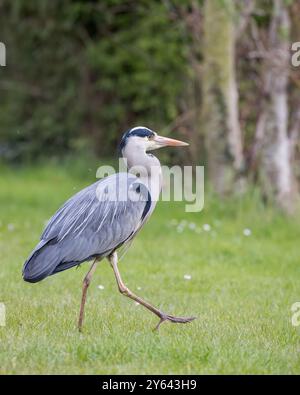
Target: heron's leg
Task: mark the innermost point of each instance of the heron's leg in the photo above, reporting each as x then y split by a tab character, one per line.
113	259
85	285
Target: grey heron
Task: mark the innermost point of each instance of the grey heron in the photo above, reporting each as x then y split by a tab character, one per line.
100	219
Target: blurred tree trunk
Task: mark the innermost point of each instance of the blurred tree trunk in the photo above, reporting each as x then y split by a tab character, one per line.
190	102
220	97
277	176
294	98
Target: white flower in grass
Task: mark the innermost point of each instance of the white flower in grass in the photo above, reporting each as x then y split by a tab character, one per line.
187	277
137	303
101	287
139	288
192	226
10	227
179	229
206	227
247	232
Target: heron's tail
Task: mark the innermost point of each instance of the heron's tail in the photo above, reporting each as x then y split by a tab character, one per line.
42	261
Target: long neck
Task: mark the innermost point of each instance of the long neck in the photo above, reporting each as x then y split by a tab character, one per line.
147	166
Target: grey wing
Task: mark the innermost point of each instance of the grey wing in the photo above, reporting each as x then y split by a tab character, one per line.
93	223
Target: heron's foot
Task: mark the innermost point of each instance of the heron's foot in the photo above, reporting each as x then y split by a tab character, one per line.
80	325
176	320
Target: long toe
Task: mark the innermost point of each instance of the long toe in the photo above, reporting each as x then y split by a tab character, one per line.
182	320
171	318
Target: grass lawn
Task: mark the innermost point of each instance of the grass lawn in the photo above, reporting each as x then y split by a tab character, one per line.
241	289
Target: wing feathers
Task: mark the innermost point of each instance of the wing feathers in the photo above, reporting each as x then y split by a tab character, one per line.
94	222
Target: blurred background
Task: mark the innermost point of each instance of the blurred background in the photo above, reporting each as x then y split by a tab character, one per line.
216	73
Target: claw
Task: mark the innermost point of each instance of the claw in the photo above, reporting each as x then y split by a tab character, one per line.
176	320
158	325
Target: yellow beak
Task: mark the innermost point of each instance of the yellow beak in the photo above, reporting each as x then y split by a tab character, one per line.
166	142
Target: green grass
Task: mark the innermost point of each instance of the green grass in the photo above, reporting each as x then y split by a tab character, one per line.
241	290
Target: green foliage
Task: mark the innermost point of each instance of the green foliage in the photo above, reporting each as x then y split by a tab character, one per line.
85	70
39	110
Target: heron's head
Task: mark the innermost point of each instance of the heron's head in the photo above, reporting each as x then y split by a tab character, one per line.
143	138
